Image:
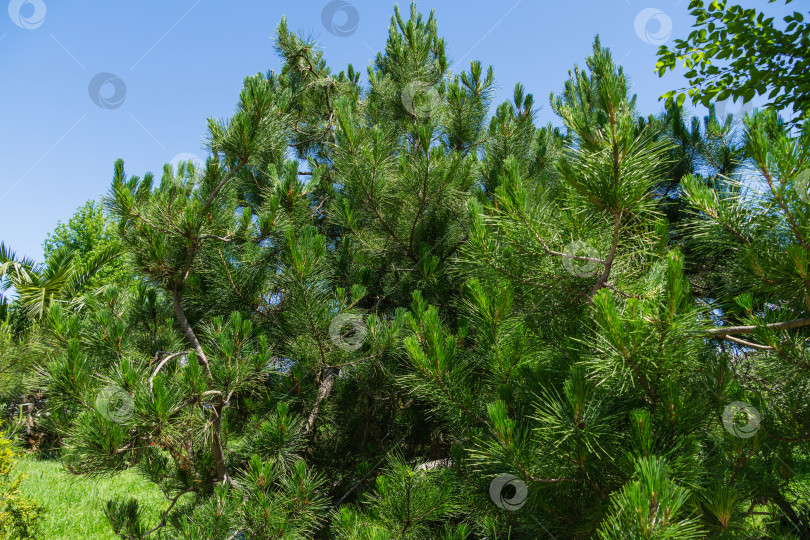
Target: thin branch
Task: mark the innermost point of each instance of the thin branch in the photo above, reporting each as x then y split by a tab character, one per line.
163	363
241	163
745	343
220	238
733	330
169	509
780	200
550	251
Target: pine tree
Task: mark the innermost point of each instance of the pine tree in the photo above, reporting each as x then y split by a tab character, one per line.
387	311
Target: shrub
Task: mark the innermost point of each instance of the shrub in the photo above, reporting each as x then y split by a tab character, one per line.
19	516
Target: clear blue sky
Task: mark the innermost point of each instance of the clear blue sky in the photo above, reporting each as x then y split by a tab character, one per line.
182	61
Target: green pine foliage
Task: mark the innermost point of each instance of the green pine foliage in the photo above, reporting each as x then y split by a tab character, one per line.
394	309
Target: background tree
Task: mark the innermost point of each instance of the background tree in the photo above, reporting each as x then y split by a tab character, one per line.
88	232
61	278
736	52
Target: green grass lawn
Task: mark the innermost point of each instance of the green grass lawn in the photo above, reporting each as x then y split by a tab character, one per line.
75	505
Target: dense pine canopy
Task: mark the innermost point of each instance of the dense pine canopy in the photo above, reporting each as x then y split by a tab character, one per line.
391	309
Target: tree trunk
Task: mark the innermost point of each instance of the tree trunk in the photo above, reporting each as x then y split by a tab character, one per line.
324	390
192	337
216	446
216	429
789	513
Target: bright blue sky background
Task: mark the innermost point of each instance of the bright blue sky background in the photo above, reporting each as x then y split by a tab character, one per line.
184	60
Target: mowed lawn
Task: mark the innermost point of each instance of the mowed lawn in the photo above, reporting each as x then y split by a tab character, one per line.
75	505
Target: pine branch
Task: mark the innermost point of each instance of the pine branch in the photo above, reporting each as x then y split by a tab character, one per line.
733	330
745	343
617	221
779	199
163	363
550	251
324	390
169	509
242	161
